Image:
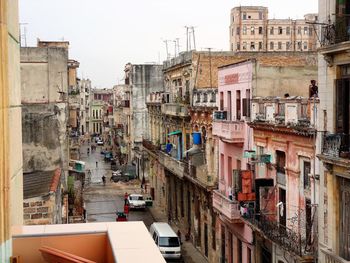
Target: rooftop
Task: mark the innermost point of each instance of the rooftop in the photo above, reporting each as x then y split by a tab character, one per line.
126	242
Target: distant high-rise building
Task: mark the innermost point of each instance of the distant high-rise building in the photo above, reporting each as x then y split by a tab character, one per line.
251	30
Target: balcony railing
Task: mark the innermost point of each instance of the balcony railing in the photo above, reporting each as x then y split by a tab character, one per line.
231	131
336	145
171	164
175	109
149	146
288	239
330	257
227	207
337	32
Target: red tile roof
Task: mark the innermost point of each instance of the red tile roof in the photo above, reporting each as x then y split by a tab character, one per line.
55	180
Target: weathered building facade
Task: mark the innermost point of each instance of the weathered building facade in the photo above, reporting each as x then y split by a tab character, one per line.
44	82
333	146
11	181
265	75
251	30
281	209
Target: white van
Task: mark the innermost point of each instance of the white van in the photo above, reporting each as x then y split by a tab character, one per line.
166	240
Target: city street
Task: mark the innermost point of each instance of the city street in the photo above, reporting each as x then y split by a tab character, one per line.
101	201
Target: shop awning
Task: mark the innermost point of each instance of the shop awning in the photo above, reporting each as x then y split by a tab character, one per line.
175	133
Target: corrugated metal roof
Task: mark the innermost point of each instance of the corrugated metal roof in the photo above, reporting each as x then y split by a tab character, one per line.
37	183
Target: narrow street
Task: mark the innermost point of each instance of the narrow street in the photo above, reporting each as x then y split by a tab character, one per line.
101	201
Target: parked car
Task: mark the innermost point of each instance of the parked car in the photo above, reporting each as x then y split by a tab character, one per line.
136	201
100	142
166	240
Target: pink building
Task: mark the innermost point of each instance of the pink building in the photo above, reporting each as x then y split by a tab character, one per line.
234	137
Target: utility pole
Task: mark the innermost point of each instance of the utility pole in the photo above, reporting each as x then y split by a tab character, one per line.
194	39
178	45
24	35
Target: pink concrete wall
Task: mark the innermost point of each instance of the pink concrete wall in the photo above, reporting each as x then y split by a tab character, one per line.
237	77
296	148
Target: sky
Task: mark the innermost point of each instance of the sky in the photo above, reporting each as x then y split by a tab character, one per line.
104	35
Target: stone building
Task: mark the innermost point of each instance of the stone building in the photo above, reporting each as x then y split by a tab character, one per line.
180	180
265	75
333	148
100	98
280	208
251	30
84	85
11	181
141	80
44	83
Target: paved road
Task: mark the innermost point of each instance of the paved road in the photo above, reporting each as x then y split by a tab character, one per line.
101	201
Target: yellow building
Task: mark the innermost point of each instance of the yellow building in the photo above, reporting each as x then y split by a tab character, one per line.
11	189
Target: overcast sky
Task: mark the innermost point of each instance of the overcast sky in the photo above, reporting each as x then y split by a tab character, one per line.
104	35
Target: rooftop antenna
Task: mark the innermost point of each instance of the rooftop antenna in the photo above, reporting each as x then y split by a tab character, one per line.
166	48
178	45
24	35
194	39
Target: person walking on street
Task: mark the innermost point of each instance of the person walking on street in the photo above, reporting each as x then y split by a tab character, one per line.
96	164
104	179
126	198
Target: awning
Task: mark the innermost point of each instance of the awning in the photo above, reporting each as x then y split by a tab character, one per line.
175	133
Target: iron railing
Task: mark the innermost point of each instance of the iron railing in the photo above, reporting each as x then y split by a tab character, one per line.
288	239
337	32
336	145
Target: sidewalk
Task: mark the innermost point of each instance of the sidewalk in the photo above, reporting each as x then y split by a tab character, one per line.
189	252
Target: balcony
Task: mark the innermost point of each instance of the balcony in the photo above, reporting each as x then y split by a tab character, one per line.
230	131
284	237
330	257
175	109
150	146
227	207
336	147
171	164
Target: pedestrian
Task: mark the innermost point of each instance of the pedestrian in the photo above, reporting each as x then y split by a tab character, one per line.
104	179
141	188
96	164
126	195
145	188
313	89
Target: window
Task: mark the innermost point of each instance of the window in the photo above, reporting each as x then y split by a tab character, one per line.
306	170
279	45
260	45
252	30
310	31
232	31
231	46
252	46
305	30
238	104
244	16
233	18
299	30
169	242
244	45
244	30
271	45
260	15
280	30
238	30
205	97
222	165
82	101
288	30
271	30
299	45
213	97
305	45
238	46
260	30
249	255
198	96
280	162
288	45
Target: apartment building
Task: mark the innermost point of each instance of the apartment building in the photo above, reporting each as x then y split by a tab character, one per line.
252	30
334	148
239	83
